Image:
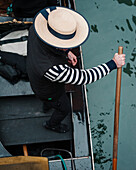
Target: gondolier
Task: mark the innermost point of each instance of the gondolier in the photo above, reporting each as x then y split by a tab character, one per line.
55	31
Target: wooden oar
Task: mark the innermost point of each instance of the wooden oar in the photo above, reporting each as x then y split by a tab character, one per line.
116	117
25	150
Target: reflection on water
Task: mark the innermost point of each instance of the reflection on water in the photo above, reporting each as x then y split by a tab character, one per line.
94	28
133	54
129	25
131	68
128	69
134	19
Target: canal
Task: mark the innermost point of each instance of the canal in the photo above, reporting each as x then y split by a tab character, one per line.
112	24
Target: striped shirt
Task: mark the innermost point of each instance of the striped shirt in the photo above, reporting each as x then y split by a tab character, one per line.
65	74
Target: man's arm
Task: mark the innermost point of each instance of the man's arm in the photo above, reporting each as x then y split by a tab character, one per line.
66	74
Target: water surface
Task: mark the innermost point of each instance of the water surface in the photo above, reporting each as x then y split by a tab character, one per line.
113	24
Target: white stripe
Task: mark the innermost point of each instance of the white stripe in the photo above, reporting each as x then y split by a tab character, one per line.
100	75
50	76
64	79
95	75
62	67
103	70
47	77
67	66
85	76
71	77
53	72
55	67
77	76
81	79
90	76
107	68
60	75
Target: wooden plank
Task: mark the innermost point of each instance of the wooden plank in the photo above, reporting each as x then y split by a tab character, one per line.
20	88
30	130
20	107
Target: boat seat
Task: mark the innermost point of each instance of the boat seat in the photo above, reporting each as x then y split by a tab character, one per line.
24	162
21	116
21	88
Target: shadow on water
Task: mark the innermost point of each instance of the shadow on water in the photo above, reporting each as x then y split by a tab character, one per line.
127	2
128	69
129	25
94	28
131	69
98	133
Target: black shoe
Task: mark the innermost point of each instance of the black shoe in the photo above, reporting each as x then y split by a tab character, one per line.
61	128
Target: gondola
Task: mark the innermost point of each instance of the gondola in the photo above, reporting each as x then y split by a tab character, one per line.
21	118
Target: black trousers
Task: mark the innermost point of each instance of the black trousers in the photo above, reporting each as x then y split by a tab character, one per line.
61	108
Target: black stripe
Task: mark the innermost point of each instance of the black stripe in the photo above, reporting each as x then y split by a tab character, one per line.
102	74
69	75
96	73
64	75
84	78
50	74
111	65
74	76
79	77
60	69
55	70
92	75
44	13
88	77
60	36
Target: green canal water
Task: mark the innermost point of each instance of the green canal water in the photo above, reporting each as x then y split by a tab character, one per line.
113	24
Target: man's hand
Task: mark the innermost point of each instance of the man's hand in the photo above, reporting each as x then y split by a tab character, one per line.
119	59
72	58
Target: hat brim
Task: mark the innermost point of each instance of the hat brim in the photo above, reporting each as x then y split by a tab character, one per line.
82	31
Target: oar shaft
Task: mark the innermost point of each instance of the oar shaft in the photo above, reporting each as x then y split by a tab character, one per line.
25	150
116	117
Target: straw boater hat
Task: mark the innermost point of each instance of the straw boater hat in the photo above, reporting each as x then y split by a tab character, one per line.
61	27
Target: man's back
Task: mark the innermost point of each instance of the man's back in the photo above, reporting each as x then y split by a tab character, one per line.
40	58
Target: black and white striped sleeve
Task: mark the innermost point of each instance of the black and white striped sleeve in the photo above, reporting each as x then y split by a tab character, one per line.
68	75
